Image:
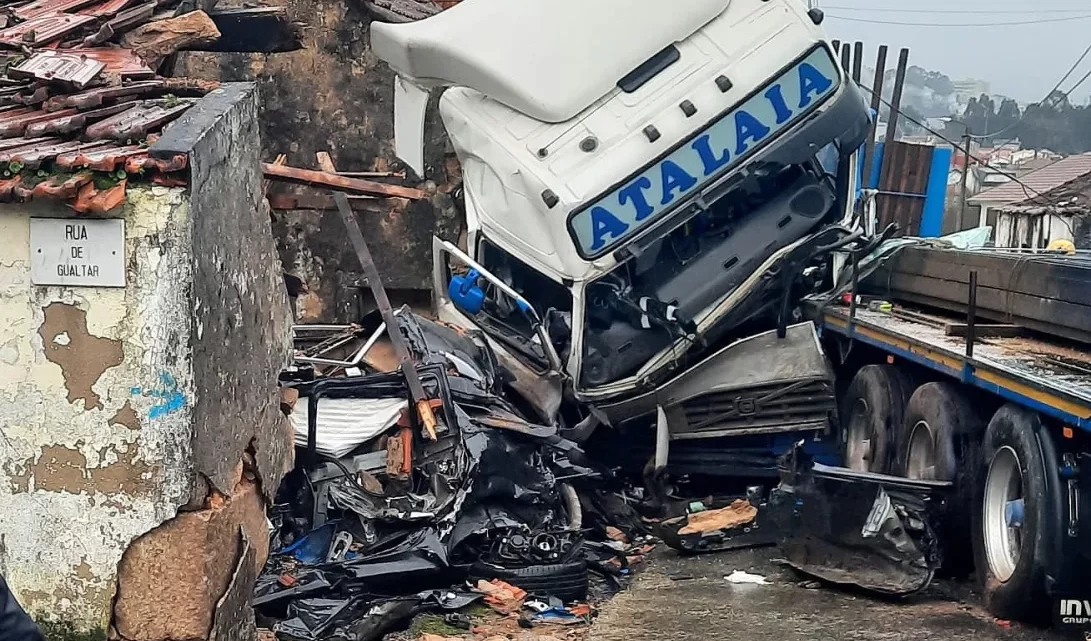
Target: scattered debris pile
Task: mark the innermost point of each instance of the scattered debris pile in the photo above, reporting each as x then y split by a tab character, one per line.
379	519
81	101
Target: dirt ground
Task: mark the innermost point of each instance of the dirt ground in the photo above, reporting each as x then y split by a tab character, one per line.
684	599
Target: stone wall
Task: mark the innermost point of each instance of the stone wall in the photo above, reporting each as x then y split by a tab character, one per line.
334	95
142	438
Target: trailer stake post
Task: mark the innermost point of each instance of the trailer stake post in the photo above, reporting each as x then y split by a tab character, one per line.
971	316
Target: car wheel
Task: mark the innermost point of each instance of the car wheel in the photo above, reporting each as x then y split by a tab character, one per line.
1011	526
871	415
566	581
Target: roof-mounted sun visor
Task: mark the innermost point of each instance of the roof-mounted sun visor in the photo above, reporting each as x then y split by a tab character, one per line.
410	105
547	59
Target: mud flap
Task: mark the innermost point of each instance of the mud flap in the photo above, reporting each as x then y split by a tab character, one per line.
874	531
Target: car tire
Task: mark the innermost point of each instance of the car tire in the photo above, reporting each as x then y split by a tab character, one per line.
871	414
939	441
566	581
1010	560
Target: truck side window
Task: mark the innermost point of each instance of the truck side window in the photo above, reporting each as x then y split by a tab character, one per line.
550	299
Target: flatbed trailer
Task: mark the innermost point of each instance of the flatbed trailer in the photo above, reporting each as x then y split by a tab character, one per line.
1006	418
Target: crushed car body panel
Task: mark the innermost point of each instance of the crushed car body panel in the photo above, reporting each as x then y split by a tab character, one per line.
874	531
758	385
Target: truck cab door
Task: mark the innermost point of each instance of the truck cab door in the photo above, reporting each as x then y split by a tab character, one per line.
470	296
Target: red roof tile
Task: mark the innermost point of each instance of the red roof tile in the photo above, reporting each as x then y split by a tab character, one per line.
1037	182
43	29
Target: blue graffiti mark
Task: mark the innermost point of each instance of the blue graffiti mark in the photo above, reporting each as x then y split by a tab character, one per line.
170	398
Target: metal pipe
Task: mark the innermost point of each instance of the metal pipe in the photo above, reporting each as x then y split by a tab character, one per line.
357	357
896	99
662	439
857	61
321	328
971	316
852	290
876	95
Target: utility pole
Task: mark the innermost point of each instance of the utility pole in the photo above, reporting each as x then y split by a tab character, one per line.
965	175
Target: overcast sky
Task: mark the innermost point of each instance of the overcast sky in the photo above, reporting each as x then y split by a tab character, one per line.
1023	61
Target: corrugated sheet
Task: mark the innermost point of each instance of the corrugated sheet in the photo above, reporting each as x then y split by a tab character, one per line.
903	185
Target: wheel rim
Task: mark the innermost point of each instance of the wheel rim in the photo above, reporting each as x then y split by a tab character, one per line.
858	438
920	458
1003	513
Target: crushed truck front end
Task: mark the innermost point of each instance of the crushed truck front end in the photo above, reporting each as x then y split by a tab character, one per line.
627	254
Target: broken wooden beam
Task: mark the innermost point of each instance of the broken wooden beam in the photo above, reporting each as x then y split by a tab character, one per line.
324	202
344	183
325	162
985	330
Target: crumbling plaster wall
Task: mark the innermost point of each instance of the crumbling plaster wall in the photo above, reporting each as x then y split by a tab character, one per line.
141	438
334	95
96	423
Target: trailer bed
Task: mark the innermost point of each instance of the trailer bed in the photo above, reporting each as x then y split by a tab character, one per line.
1049	377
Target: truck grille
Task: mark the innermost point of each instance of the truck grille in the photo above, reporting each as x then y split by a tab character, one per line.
796	405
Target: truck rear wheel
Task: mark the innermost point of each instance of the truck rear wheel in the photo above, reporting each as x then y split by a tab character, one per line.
1010	524
938	442
871	416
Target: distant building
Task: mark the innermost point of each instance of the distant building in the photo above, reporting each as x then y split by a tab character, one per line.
969	88
1041	206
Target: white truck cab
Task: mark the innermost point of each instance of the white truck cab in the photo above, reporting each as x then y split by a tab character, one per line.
646	187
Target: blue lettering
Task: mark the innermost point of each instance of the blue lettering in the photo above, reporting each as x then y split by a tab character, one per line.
747	127
708	157
603	224
674	177
634	194
811	81
776	98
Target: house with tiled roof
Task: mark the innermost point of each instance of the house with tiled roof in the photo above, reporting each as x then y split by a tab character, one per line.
1044	205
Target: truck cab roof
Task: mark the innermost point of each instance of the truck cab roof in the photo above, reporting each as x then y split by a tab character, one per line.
548	60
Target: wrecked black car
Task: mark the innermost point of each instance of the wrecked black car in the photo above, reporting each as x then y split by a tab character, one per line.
378	519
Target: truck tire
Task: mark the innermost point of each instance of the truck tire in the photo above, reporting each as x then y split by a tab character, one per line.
939	441
872	412
566	581
1011	524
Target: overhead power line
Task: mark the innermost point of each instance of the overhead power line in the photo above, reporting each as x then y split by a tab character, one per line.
981	12
1043	100
959	147
958	24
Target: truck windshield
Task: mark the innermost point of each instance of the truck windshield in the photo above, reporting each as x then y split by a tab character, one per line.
653	298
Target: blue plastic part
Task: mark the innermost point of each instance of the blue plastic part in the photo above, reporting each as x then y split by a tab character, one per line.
935	199
1013	513
312	548
465	294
